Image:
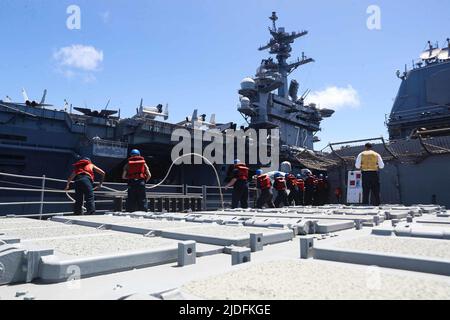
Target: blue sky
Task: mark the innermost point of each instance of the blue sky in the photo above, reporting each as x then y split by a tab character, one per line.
193	54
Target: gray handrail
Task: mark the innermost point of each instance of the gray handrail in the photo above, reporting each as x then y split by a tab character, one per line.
208	193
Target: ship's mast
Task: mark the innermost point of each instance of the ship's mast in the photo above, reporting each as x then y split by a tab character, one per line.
280	45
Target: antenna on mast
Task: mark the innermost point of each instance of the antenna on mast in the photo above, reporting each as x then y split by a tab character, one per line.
107	104
274	18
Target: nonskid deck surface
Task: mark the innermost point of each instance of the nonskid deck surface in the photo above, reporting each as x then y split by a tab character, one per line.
312	279
344	244
400	245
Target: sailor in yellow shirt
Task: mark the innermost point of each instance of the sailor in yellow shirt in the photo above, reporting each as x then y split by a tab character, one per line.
370	162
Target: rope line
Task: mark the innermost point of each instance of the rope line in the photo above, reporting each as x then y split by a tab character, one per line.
111	191
207	162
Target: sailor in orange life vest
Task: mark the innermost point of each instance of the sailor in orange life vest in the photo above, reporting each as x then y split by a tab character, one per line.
301	190
264	183
291	182
137	173
338	194
83	174
282	196
240	185
321	194
310	187
370	162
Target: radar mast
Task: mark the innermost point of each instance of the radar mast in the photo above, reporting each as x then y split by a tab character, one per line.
280	45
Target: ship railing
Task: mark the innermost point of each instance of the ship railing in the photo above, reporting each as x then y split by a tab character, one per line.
212	196
44	186
42	191
345	151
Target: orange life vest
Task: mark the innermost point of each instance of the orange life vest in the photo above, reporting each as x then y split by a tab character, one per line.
311	181
264	182
242	173
280	184
136	168
321	184
316	181
291	181
84	167
301	184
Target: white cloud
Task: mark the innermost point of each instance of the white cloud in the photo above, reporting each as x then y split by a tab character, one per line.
86	58
335	98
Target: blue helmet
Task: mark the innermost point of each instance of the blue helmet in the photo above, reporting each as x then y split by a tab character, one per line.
86	158
287	175
135	152
277	175
237	161
299	176
259	172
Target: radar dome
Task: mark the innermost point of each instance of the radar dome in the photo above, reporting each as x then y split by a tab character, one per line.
245	102
248	84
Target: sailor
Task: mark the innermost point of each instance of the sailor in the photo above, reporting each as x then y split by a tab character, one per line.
370	162
301	190
280	185
264	184
291	182
338	194
326	194
84	174
240	185
310	187
137	173
321	190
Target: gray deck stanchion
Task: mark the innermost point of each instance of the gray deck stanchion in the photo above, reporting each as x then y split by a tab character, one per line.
376	220
256	242
306	247
240	255
186	253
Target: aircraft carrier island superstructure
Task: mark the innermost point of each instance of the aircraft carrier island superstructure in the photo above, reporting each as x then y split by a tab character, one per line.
297	121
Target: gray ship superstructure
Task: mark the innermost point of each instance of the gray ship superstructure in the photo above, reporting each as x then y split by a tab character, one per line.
423	100
263	109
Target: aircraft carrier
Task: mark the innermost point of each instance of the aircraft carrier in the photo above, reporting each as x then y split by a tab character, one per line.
190	246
